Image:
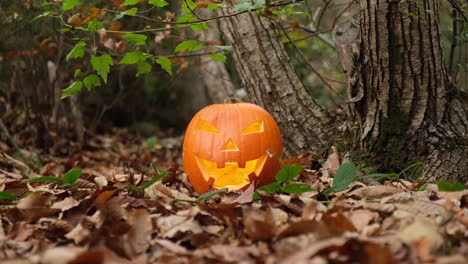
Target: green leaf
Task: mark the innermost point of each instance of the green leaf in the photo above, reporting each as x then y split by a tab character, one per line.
8	196
136	39
143	67
297	188
95	24
189	45
43	179
129	2
301	13
186	18
329	190
130	12
256	196
158	3
199	26
189	5
270	188
202	198
445	186
165	63
72	89
102	65
288	173
151	142
259	3
243	5
133	57
91	81
216	6
77	73
153	181
224	48
69	4
45	14
344	176
422	187
72	176
48	3
218	57
148	184
77	51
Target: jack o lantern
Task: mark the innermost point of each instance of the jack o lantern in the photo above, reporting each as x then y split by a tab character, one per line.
231	145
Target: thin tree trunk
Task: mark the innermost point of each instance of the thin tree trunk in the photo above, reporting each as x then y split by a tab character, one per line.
215	75
409	111
270	81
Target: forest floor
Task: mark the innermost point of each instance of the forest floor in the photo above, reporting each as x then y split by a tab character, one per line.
104	213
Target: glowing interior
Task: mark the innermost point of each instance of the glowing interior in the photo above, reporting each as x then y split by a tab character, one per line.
207	127
230	176
255	127
230	146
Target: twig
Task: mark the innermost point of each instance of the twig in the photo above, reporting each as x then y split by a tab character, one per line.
319	20
192	11
324	80
342	12
200	20
319	35
457	7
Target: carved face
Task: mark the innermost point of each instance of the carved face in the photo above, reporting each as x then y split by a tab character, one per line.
230	145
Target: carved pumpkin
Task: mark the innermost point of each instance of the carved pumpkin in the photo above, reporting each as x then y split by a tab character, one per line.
230	145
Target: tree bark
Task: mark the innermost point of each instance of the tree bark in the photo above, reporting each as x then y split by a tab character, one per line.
403	106
409	111
271	82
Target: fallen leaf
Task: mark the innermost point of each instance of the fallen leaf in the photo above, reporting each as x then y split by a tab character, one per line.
35	206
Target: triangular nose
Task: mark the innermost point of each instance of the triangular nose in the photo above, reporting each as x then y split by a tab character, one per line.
230	146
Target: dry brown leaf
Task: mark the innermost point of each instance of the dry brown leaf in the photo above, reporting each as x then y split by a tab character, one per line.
171	225
21	166
422	228
302	256
246	196
361	218
226	253
320	229
138	238
258	225
332	163
66	204
78	234
35	206
60	255
374	192
171	246
313	210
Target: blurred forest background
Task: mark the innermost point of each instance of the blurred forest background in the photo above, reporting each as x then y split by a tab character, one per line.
33	68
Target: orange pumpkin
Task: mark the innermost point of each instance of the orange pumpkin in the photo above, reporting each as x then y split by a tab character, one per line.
231	145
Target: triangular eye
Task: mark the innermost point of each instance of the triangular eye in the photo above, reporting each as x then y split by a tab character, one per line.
230	146
207	127
255	127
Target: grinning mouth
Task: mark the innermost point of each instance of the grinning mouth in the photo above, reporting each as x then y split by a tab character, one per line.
230	176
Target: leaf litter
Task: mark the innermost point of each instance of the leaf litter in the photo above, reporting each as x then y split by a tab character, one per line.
116	212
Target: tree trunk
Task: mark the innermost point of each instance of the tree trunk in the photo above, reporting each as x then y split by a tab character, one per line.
408	111
403	108
270	81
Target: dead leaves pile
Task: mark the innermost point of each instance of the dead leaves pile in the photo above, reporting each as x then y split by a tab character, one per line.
96	220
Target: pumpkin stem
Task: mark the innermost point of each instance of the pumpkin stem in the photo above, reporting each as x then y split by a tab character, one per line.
230	100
